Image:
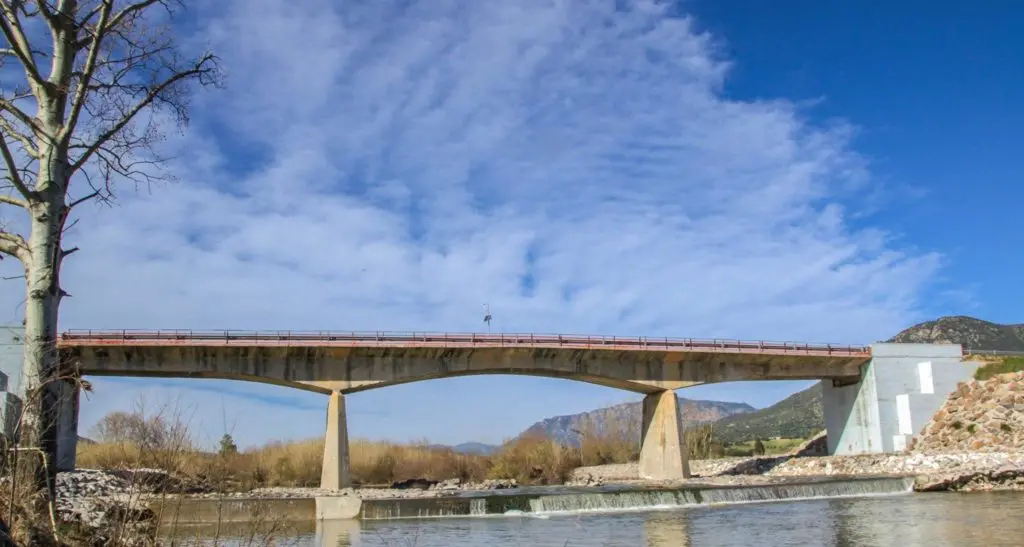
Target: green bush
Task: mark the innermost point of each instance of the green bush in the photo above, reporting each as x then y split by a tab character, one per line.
1010	364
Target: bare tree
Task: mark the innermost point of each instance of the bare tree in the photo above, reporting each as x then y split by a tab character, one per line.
84	87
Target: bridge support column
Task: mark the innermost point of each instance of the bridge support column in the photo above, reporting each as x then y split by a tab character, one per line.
67	425
662	453
335	473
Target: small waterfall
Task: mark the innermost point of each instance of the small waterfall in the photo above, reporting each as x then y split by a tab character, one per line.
808	490
612	501
619	499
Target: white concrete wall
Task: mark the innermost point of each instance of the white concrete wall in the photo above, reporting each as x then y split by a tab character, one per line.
12	353
901	389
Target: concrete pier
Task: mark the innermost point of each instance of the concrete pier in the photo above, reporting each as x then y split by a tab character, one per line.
901	388
335	473
662	454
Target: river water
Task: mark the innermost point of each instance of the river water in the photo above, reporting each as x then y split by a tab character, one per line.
903	520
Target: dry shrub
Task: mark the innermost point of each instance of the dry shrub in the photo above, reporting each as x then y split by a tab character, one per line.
534	459
282	464
699	442
382	463
615	440
530	459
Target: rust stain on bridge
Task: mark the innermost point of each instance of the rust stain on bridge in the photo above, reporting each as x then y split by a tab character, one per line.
349	362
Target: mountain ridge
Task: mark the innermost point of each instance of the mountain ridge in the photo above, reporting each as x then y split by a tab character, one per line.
626	417
970	332
801	414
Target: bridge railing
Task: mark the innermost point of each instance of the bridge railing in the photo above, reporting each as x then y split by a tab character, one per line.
383	338
994	352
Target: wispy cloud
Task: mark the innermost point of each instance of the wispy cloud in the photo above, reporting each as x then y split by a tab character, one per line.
395	165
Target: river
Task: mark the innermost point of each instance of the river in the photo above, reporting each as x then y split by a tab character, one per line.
904	520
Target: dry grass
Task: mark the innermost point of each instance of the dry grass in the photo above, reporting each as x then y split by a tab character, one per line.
529	459
293	464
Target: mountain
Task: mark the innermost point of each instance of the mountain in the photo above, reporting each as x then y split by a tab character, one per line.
476	448
971	333
626	417
798	416
480	449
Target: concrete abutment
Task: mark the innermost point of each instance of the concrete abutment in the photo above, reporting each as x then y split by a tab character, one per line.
335	474
901	388
663	454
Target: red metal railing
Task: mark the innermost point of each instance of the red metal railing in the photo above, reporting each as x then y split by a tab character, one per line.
434	339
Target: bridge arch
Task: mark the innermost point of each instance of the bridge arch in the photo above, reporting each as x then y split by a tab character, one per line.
348	362
349	369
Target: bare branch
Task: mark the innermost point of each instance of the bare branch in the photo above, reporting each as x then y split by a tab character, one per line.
131	10
19	114
9	200
80	201
14	245
10	26
87	73
44	8
201	68
27	145
12	170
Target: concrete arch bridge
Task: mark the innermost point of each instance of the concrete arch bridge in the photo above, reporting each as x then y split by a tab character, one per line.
337	363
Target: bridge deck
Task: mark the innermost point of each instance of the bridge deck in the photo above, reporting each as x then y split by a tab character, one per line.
169	338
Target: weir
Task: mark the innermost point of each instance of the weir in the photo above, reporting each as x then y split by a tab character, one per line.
530	501
558	501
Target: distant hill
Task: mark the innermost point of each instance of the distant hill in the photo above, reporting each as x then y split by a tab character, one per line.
476	448
798	416
971	333
566	429
482	449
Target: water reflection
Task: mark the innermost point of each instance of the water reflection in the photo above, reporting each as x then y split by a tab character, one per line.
337	533
927	520
669	529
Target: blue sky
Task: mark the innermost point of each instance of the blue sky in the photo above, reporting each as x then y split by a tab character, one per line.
828	172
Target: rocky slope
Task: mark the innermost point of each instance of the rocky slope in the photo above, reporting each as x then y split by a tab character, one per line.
985	416
970	332
626	418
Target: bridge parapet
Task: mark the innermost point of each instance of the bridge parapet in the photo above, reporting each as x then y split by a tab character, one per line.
447	340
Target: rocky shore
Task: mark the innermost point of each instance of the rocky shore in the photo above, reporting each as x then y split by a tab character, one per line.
954	470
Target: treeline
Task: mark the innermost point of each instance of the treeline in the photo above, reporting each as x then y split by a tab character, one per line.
134	440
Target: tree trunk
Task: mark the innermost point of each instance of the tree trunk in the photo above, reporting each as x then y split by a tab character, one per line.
40	367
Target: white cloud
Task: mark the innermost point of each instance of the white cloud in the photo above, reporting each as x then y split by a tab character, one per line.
393	166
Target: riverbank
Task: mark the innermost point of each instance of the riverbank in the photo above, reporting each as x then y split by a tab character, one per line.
933	472
87	495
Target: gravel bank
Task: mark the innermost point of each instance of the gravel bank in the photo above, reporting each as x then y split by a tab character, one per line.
951	471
